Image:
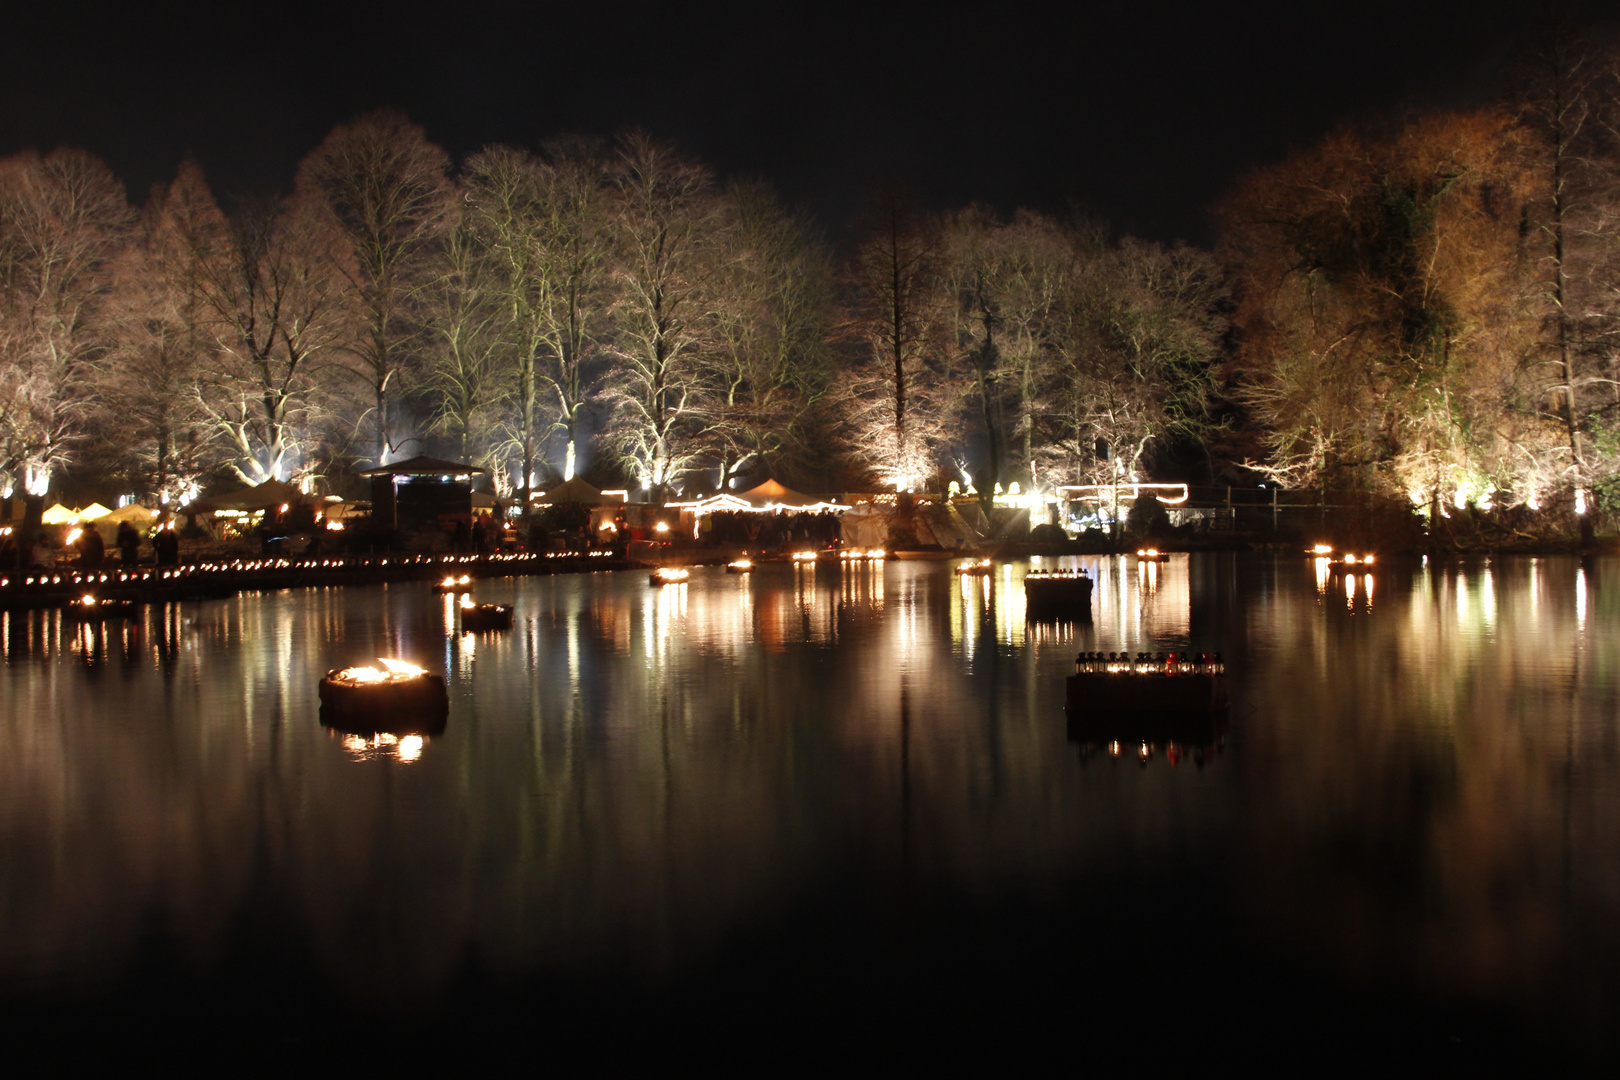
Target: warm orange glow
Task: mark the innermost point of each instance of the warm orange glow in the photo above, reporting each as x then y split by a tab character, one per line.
803	556
662	527
1322	549
410	748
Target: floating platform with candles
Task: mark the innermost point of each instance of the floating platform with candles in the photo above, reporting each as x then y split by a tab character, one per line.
1058	594
668	575
453	583
482	617
973	567
1152	555
1162	686
739	566
88	608
393	697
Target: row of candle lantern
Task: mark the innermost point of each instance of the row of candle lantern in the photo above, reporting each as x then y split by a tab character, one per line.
1119	663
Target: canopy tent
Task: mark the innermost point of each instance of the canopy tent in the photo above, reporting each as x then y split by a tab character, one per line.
771	493
574	491
265	496
422	465
134	513
61	515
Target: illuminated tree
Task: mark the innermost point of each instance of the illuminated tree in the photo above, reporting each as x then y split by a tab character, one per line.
465	318
150	419
384	188
896	396
1388	312
769	365
668	222
1130	366
1011	282
269	277
62	219
545	224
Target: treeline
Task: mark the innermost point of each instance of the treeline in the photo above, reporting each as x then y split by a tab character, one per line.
594	305
1425	312
1429	311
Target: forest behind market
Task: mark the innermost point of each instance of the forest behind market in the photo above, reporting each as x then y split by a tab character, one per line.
1419	314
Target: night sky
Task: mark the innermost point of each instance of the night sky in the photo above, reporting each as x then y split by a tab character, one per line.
1142	112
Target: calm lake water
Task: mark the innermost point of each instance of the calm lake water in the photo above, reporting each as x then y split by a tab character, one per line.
810	810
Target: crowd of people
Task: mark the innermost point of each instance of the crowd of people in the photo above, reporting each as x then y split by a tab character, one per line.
83	548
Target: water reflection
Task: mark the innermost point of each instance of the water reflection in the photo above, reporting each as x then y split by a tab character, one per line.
1424	790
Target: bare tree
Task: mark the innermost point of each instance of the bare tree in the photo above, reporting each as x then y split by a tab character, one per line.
466	317
269	276
385	187
668	222
896	397
769	366
150	418
544	222
62	218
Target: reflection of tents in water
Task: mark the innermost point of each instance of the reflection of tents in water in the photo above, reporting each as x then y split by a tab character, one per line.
272	494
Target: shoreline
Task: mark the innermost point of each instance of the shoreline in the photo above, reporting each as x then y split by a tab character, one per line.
219	579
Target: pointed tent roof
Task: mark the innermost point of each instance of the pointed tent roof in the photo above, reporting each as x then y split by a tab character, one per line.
58	515
573	491
422	465
772	492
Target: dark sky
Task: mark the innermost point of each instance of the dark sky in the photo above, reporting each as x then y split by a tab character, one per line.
1143	112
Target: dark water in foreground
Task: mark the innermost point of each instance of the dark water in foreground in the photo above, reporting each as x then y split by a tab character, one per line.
811	815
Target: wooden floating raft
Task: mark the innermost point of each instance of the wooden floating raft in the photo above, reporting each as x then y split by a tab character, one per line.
481	617
1058	594
398	698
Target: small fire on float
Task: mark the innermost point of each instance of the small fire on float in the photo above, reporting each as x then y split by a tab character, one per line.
396	697
739	566
973	566
1151	555
478	617
454	584
668	575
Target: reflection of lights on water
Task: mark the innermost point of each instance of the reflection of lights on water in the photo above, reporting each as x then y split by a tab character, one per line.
1367	582
1323	569
405	748
1580	598
1350	591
